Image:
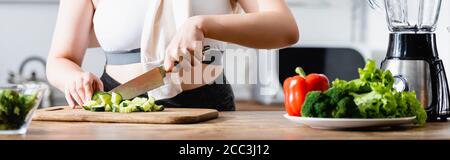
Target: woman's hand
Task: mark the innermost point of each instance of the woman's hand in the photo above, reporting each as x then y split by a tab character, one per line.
80	89
186	46
70	41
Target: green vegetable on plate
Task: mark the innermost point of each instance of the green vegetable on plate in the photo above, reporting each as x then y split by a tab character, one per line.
370	96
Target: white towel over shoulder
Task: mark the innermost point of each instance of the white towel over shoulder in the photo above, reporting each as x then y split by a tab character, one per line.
162	21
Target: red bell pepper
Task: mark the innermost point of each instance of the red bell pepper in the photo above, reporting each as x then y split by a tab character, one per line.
296	88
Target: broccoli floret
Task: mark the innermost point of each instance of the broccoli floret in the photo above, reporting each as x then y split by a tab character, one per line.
343	103
308	106
316	104
334	103
336	94
341	110
346	108
323	107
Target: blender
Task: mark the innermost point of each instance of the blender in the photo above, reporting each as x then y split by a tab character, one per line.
412	55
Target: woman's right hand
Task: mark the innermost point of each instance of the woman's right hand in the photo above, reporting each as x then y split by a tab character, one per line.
80	89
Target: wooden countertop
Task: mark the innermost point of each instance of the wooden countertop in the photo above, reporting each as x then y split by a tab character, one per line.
239	125
245	124
254	106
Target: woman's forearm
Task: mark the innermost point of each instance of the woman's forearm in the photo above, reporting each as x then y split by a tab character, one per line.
61	70
264	30
70	40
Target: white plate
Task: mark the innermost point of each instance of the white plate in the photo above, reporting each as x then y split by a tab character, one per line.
349	123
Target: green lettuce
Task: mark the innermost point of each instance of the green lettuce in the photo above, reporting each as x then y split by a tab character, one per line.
370	96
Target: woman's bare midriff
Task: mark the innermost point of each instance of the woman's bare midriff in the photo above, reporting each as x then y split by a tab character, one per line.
209	73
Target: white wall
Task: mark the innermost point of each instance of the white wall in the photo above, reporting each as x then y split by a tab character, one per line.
323	21
26	30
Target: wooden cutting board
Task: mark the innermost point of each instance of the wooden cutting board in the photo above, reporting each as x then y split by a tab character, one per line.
168	116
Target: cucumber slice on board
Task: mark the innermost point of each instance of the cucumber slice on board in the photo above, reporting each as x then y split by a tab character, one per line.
116	98
147	107
102	98
158	108
151	100
108	108
89	104
113	102
98	108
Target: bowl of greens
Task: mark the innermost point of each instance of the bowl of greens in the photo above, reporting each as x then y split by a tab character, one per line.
17	106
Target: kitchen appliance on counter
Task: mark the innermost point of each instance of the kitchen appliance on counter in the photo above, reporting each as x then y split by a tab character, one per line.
412	55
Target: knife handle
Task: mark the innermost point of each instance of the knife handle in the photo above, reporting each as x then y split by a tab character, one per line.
205	48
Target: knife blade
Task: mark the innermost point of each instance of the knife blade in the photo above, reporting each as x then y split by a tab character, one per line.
148	81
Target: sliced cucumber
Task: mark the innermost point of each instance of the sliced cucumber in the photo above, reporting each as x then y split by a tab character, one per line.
138	101
116	98
125	103
127	109
87	108
151	100
147	107
105	99
158	108
98	108
89	104
102	98
113	102
108	108
135	108
115	108
96	95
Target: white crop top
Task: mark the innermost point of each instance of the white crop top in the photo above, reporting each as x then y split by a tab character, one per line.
124	25
118	24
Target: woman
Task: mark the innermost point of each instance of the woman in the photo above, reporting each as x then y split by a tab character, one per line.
120	25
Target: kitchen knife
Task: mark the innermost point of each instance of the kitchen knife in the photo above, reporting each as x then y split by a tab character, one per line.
148	81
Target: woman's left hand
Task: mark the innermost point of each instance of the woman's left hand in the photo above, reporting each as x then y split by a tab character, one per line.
186	46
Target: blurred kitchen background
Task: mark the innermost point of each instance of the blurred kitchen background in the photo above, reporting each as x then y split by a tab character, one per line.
336	37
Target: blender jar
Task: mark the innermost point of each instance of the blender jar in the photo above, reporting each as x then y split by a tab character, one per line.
410	15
